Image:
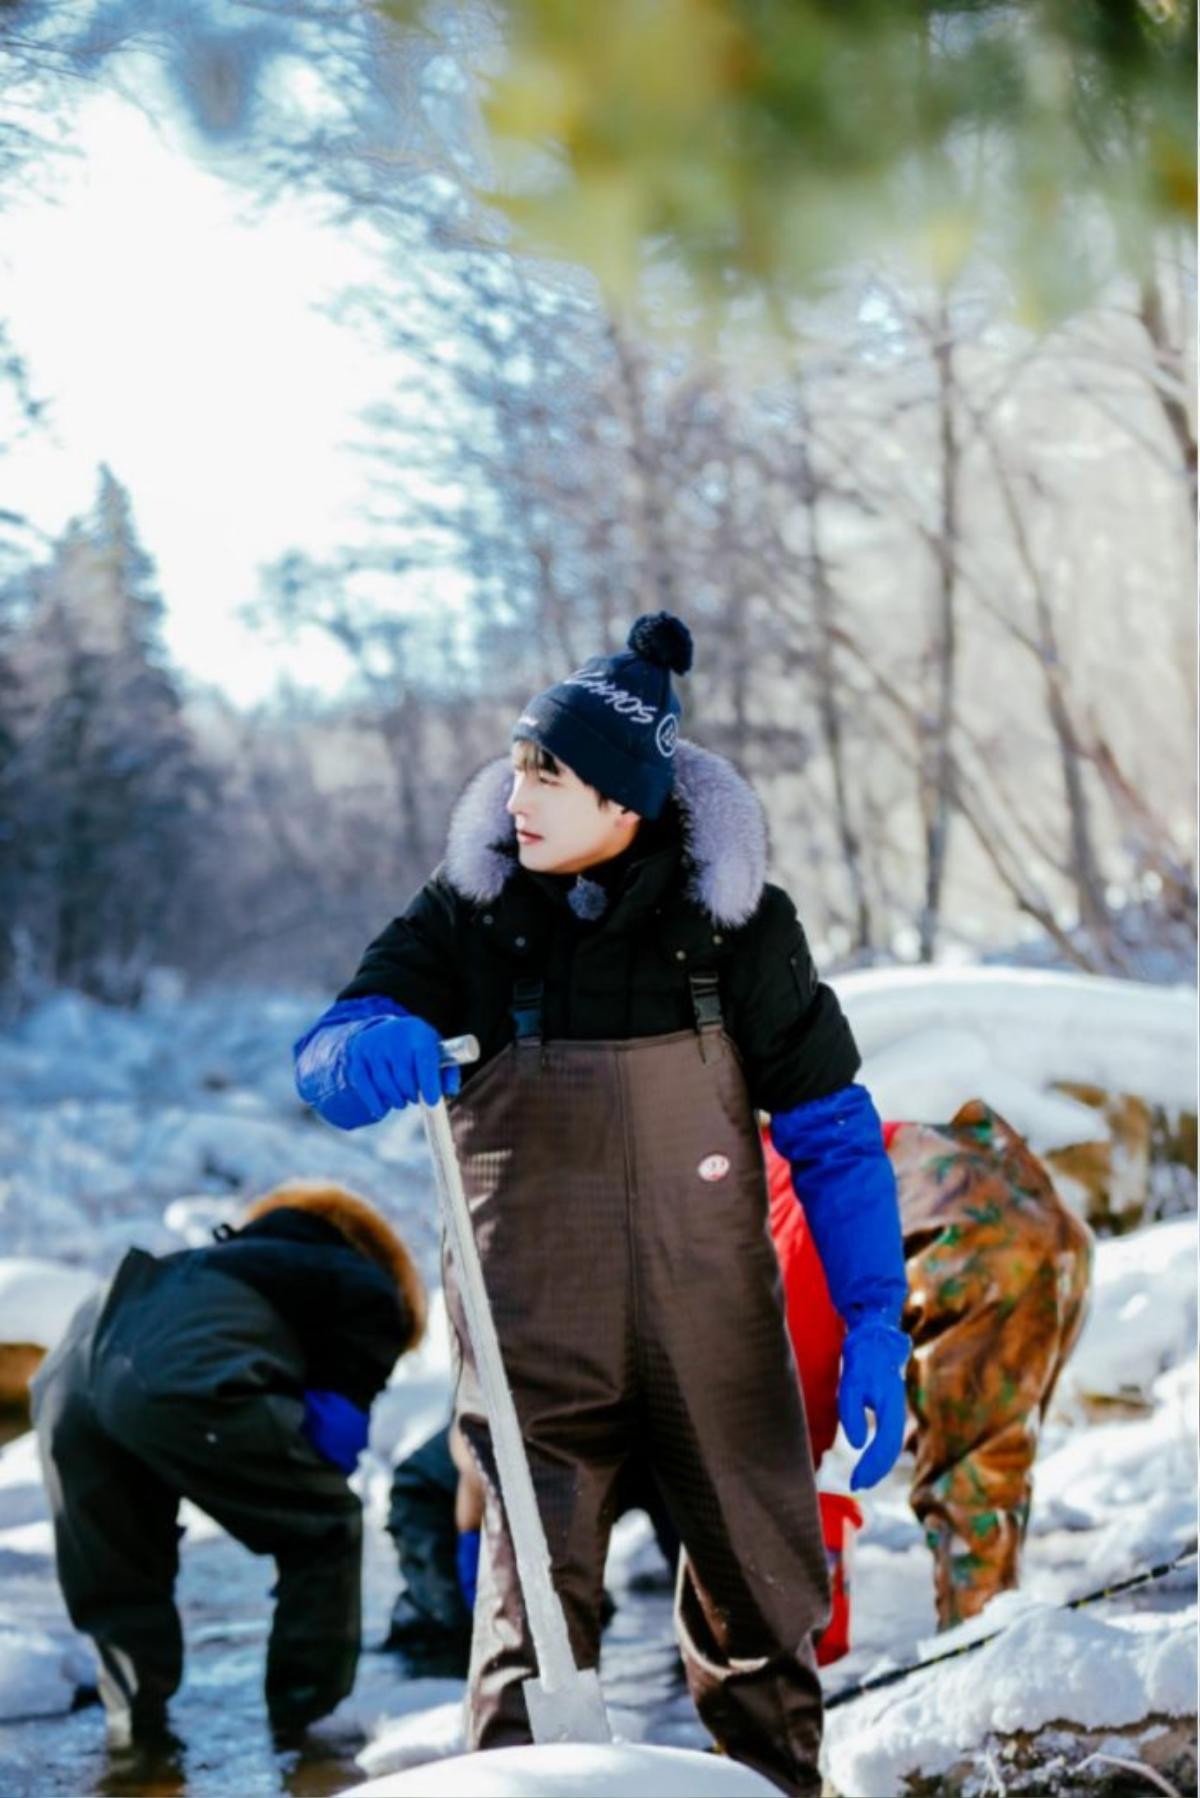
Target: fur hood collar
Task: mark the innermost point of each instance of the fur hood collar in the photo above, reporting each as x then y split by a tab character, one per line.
724	839
363	1227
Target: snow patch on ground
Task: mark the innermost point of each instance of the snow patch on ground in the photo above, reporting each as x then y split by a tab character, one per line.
1142	1316
39	1672
431	1730
621	1771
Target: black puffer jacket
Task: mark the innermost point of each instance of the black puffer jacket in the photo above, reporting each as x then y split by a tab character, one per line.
351	1321
614	954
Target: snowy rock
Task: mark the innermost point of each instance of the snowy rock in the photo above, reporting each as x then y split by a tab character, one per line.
1049	1666
934	1037
621	1771
39	1298
39	1672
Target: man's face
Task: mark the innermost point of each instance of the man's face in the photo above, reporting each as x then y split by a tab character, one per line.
562	828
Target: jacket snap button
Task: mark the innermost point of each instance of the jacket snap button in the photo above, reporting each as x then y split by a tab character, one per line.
520	942
681	955
718	939
487	918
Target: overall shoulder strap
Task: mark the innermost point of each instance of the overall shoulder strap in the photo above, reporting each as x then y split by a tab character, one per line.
526	1010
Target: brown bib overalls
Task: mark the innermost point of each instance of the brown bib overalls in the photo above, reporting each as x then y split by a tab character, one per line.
639	1309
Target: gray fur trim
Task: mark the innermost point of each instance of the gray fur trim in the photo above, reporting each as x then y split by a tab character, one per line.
475	863
724	833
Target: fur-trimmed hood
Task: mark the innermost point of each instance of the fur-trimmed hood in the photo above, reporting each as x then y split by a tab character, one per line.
724	839
364	1229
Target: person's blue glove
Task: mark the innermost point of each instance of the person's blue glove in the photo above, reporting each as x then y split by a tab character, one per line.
467	1560
874	1356
393	1062
336	1428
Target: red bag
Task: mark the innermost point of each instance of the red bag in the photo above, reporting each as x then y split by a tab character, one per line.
817	1333
841	1519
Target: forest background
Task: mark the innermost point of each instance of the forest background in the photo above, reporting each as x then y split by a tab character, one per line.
861	336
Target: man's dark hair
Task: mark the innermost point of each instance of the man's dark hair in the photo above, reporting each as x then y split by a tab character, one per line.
527	754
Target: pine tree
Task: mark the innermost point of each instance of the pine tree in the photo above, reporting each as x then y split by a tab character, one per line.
119	786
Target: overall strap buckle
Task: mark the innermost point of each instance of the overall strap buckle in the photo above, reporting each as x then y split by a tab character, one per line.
706	1006
526	1010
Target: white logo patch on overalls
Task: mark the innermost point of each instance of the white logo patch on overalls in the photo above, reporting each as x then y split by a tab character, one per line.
713	1167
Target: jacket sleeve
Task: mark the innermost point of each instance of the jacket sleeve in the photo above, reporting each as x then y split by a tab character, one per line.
794	1041
845	1183
415	962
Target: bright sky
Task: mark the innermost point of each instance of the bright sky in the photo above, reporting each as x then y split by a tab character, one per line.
175	337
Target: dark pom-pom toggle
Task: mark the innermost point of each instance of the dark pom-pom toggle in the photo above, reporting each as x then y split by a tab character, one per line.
663	639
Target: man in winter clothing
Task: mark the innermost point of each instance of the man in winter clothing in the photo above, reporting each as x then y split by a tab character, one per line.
238	1376
998	1273
602	923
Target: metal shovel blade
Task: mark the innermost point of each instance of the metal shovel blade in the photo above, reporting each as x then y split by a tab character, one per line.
575	1712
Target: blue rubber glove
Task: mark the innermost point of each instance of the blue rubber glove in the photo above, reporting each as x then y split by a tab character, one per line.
845	1183
874	1356
336	1428
350	1087
393	1062
467	1559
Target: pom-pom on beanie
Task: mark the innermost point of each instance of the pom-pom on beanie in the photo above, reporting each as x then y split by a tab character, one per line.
615	721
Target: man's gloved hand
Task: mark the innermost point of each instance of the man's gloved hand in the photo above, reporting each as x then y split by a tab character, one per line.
393	1062
874	1355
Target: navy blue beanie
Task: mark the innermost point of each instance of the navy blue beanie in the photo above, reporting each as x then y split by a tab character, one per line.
614	722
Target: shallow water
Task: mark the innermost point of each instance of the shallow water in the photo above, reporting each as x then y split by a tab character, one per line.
218	1712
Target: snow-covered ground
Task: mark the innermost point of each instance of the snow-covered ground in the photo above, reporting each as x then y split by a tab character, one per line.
117	1129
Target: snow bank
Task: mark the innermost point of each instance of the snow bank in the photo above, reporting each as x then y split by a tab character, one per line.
1049	1666
1143	1312
621	1771
1124	1471
108	1117
934	1037
39	1298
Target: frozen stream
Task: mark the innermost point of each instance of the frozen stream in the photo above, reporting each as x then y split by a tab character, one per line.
219	1714
107	1122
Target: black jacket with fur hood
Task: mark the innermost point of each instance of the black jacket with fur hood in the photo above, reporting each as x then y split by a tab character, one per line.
614	948
338	1275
